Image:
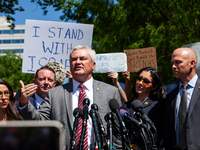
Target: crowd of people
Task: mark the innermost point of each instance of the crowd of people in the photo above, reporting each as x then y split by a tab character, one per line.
174	112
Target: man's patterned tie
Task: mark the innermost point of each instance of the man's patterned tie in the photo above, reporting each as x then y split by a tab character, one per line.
82	96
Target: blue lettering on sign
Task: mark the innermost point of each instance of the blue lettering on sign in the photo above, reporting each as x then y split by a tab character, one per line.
106	58
58	46
45	50
118	69
39	62
73	34
67	33
43	60
70	33
36	31
80	35
104	64
52	59
51	32
59	32
31	63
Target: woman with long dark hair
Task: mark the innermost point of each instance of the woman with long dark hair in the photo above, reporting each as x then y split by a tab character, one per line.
149	89
7	110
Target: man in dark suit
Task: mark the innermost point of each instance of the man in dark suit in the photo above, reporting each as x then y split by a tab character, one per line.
182	123
62	100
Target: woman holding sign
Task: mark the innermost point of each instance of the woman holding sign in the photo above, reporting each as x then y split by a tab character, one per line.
7	111
148	89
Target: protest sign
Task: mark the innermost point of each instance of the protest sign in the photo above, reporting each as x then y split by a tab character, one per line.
110	61
52	41
140	58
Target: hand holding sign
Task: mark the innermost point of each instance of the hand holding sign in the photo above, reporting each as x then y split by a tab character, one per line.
114	76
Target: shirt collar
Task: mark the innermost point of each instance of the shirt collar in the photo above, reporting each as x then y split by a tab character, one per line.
38	99
88	84
191	83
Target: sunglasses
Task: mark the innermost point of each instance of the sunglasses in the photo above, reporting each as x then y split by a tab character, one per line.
145	81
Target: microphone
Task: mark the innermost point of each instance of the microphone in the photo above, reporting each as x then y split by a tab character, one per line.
109	119
114	106
100	125
126	116
95	125
86	103
77	114
137	106
115	126
95	107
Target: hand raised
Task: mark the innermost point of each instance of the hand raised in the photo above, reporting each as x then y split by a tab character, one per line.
27	91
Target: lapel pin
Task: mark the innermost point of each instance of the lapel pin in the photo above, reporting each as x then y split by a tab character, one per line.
146	103
199	88
97	89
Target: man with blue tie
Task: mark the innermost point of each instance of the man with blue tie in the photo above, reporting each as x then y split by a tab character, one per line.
182	109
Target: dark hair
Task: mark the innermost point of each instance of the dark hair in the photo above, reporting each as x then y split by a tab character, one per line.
10	110
159	93
45	67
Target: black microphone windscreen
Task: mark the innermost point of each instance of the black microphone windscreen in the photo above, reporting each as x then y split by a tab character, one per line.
86	101
136	104
94	106
113	104
108	116
77	110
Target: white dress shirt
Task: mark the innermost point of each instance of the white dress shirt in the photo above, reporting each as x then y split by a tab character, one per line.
88	86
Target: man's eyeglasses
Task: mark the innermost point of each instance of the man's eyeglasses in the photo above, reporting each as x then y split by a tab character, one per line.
6	94
144	80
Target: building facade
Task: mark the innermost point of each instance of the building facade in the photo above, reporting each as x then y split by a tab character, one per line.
11	40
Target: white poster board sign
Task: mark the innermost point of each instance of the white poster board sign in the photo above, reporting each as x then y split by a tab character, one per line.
110	61
52	41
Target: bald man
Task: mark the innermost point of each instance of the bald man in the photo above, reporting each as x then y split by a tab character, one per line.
183	133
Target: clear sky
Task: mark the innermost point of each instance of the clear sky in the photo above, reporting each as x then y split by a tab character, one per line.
34	11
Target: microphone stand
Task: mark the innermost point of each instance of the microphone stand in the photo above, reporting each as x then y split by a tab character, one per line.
109	131
86	103
143	132
82	134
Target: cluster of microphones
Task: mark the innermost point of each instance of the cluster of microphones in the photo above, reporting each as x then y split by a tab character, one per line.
138	131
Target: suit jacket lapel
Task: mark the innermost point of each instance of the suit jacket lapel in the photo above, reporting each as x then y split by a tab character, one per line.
68	99
195	95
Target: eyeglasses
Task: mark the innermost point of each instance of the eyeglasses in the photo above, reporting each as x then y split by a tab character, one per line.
145	81
6	94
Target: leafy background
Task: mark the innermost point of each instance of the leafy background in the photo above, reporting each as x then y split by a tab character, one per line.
122	24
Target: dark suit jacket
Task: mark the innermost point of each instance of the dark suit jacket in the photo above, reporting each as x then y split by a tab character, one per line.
193	120
58	105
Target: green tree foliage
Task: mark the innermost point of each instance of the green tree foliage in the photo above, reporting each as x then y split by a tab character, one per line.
133	24
8	8
11	70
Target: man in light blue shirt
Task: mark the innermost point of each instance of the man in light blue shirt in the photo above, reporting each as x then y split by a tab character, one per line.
43	80
184	62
